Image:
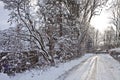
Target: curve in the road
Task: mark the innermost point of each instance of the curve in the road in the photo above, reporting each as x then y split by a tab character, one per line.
98	67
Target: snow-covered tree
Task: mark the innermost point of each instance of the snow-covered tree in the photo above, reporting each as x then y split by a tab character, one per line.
115	19
10	40
109	38
48	24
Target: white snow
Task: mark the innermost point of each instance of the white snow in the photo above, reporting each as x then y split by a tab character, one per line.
50	74
4	57
4	76
115	49
108	68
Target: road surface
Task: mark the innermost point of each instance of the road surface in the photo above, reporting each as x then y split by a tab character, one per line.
97	67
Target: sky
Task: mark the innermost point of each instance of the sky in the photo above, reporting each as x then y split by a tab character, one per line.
102	21
3	17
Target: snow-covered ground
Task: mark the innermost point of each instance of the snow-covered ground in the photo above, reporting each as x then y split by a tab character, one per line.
50	74
115	49
88	67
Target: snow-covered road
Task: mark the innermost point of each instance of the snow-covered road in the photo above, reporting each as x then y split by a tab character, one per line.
88	67
98	67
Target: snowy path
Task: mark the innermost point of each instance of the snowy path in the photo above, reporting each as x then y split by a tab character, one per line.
88	67
98	67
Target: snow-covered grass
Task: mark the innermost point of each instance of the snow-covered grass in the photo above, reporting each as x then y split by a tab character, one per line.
51	73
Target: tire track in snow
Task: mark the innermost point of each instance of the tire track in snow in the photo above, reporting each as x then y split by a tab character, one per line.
63	76
85	68
90	74
99	67
106	68
93	71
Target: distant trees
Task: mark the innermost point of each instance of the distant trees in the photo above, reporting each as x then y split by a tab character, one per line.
54	26
95	38
109	38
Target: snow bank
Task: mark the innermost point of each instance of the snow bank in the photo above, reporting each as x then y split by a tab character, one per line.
4	76
50	74
115	49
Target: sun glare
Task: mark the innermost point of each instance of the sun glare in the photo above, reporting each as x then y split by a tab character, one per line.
33	2
101	22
